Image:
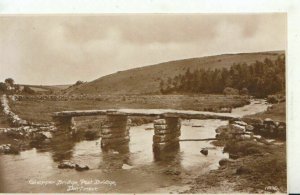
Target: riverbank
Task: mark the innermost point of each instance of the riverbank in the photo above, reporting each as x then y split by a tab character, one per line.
277	112
263	171
256	165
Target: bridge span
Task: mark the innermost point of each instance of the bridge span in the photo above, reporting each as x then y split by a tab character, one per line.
115	129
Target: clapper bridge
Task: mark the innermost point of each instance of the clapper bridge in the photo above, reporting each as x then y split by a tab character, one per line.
115	129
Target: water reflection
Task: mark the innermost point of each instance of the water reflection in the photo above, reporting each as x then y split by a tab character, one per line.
167	155
62	145
114	156
116	148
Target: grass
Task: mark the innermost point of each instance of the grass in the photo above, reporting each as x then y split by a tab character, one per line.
261	169
277	112
40	111
244	148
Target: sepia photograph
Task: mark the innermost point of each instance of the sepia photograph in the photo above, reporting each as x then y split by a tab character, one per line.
143	103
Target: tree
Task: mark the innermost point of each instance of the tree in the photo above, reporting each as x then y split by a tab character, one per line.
79	83
261	78
244	91
10	81
17	88
3	87
28	90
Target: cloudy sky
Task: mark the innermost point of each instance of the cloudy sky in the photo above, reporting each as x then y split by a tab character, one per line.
61	49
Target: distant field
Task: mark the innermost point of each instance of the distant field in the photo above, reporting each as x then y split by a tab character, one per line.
45	88
40	111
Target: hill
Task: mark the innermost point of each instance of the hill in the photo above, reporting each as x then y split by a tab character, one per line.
145	80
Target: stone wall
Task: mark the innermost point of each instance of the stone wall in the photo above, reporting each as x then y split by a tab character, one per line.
23	127
69	97
12	117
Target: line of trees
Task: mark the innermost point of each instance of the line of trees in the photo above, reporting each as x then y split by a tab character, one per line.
9	87
259	79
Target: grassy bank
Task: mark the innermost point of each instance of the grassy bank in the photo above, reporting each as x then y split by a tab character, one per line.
261	169
41	110
277	112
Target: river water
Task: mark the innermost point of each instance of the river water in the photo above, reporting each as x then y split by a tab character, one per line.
133	171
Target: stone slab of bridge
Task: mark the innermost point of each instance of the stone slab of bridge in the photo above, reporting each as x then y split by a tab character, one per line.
115	130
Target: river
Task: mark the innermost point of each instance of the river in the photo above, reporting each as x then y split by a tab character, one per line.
135	171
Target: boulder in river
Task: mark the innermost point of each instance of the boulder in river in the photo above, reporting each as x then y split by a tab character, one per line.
269	121
237	128
257	136
229	131
47	134
245	137
249	128
126	167
67	165
81	167
241	123
225	161
204	151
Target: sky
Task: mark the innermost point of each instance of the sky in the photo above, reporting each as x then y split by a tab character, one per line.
62	49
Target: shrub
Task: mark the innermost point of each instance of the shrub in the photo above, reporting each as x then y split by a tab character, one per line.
10	81
78	83
244	147
230	91
3	87
28	90
244	91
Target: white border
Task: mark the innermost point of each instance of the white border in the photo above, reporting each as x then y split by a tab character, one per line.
292	7
141	6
